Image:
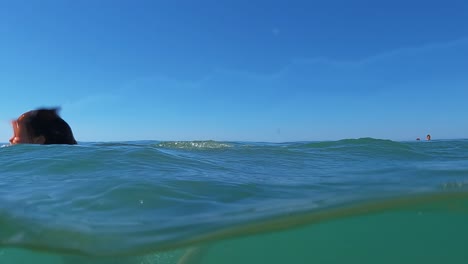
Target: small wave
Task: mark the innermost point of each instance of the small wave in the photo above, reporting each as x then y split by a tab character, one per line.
370	144
119	144
345	142
194	145
455	186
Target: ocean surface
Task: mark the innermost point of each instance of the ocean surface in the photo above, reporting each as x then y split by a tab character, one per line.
149	202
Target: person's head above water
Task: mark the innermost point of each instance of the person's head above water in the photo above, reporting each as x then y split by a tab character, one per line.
428	137
41	126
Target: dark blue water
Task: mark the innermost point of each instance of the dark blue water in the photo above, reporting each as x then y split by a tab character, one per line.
349	201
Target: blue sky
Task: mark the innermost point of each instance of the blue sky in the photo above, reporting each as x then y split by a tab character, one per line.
238	70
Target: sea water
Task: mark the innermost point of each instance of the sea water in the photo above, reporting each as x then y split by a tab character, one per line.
148	202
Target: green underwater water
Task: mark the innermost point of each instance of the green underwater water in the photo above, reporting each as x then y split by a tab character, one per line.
433	232
422	229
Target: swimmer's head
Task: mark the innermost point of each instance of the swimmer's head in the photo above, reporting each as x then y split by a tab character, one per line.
41	126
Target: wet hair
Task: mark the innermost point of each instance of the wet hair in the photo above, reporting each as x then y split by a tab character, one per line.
47	123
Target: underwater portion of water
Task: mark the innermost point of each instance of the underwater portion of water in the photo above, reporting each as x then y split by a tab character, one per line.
354	201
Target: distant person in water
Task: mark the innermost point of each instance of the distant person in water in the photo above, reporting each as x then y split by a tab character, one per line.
428	137
41	126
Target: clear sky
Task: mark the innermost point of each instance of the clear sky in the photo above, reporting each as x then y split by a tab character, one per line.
238	70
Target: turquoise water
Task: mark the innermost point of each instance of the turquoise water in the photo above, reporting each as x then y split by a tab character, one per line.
348	201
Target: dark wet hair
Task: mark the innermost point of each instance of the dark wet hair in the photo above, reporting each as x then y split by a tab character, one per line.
47	123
